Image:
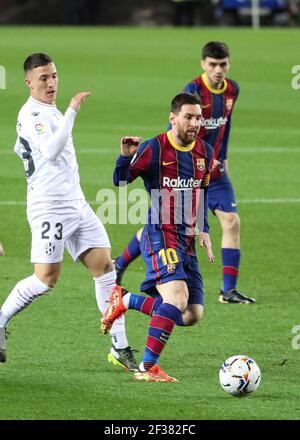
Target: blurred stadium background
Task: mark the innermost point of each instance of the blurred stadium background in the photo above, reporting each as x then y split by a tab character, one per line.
57	366
150	12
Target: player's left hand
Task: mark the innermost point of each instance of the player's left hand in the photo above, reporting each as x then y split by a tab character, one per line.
129	145
204	241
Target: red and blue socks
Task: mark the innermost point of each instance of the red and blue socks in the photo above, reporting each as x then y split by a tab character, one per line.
147	305
159	331
231	264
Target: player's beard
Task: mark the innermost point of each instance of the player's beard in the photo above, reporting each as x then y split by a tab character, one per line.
186	137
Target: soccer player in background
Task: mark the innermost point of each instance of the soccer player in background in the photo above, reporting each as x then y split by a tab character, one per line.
175	169
57	212
218	96
2	253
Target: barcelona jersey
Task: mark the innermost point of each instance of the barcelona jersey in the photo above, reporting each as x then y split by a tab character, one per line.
175	177
217	106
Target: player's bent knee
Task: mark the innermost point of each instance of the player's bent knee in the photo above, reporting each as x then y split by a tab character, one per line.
102	267
182	304
236	221
108	266
232	222
192	314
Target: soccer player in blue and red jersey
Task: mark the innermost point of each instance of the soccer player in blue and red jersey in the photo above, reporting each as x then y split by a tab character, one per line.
217	96
175	167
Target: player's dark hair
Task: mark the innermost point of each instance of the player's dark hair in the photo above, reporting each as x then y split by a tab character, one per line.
36	60
183	98
215	49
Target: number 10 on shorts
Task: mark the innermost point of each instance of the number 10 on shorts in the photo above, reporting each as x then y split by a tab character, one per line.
168	256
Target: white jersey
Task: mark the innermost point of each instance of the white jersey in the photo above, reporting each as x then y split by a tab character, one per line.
46	147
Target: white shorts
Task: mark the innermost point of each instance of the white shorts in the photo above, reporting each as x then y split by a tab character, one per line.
64	224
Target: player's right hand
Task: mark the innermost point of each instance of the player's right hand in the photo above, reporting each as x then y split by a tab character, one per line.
129	145
215	164
204	241
77	100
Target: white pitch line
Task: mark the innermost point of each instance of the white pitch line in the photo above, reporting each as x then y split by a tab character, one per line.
242	201
266	201
264	150
12	202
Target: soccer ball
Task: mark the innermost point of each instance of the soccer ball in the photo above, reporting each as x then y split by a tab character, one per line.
239	375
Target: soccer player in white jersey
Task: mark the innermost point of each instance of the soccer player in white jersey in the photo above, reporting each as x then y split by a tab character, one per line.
57	212
1	250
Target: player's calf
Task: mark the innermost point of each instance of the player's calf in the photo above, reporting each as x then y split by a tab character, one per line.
2	344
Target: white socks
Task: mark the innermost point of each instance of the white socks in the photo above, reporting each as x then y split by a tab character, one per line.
103	286
126	299
22	295
31	288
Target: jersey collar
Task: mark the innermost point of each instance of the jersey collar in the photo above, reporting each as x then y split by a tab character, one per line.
211	89
179	147
41	103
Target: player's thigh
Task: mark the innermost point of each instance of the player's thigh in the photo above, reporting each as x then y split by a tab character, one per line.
90	234
163	266
229	221
174	292
51	224
194	281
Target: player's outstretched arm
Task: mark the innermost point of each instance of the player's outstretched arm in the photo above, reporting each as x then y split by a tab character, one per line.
53	146
204	241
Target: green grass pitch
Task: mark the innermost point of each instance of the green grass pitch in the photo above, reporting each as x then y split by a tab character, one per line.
57	367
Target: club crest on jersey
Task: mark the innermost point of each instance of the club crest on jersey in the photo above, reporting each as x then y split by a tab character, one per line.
171	267
200	164
229	104
39	128
49	248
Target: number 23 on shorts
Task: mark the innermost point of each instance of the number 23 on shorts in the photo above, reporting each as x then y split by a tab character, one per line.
46	226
